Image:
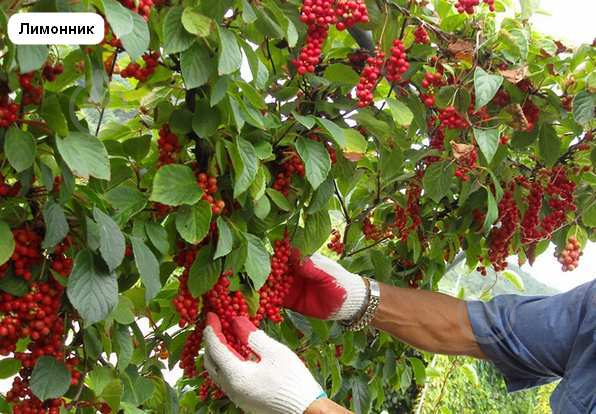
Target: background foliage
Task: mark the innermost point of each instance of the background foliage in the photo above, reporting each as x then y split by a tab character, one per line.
109	211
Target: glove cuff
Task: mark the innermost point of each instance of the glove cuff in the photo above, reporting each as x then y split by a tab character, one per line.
289	401
356	298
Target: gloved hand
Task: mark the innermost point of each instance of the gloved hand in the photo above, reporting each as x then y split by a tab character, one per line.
323	289
279	383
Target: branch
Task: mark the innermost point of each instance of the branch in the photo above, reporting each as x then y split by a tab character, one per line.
363	38
103	107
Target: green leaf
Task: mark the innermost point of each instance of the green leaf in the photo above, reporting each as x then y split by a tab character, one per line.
56	224
192	222
99	378
31	57
225	239
514	279
402	115
85	155
112	393
9	367
316	160
123	313
19	147
51	111
262	207
470	373
485	87
148	268
230	56
244	159
307	121
7	243
492	213
127	200
342	74
137	147
279	199
336	133
355	144
317	228
549	145
92	288
177	39
158	237
488	141
174	185
583	107
205	120
437	180
320	199
195	23
419	370
50	378
111	240
360	396
248	13
129	27
16	286
196	66
123	346
588	216
258	262
203	273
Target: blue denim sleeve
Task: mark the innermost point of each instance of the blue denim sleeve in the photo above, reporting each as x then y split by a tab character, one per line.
528	338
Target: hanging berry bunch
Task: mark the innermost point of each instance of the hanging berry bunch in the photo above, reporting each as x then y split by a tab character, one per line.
467	6
369	78
290	166
209	186
421	36
397	63
569	256
167	145
32	93
134	70
335	244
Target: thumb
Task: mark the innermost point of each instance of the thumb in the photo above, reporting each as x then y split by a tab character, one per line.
223	356
257	340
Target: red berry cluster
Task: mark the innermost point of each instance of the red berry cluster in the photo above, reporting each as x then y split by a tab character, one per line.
397	64
450	118
408	219
60	262
335	244
501	235
319	15
8	190
142	7
437	142
421	36
209	186
369	77
292	164
466	161
31	94
9	112
504	139
27	252
433	80
134	70
467	6
186	305
160	211
109	38
373	232
167	145
569	256
532	113
501	98
567	102
51	72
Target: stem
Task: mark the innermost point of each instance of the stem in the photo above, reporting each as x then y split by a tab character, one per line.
103	107
367	247
444	384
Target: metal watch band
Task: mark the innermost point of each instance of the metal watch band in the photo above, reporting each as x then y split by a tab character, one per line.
374	298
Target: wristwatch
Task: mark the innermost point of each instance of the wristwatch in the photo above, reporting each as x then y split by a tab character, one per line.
367	315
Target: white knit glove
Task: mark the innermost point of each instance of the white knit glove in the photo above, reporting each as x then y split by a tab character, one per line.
279	383
323	289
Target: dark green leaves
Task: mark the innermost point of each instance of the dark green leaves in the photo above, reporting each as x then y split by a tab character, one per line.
258	262
549	145
316	160
437	180
148	268
111	240
6	243
488	141
196	66
583	107
177	39
244	159
50	378
492	212
204	273
127	200
9	367
192	222
195	23
485	87
336	133
56	224
174	185
317	227
85	155
19	147
205	120
230	56
224	240
92	288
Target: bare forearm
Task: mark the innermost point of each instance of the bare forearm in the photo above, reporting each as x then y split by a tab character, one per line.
326	406
426	320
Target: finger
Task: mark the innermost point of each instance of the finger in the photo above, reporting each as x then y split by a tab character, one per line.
257	340
221	353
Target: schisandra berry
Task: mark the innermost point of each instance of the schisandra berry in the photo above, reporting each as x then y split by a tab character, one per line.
421	36
450	118
134	70
467	6
466	157
433	80
397	64
569	256
335	244
9	112
142	7
27	252
350	13
408	219
290	166
51	72
168	146
369	78
8	190
532	113
501	235
209	186
31	93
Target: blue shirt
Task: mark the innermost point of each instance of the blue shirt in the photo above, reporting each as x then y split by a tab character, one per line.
534	340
